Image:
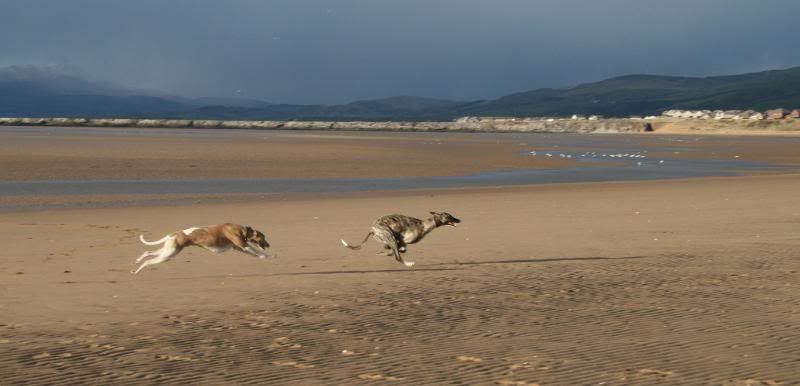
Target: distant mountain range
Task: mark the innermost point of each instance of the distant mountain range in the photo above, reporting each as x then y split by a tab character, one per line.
34	91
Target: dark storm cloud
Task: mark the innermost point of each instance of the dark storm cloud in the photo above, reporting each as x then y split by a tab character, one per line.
310	51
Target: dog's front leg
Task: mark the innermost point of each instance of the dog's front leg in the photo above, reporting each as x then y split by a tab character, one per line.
252	251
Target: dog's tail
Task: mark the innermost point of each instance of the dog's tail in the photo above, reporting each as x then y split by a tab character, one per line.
141	237
359	245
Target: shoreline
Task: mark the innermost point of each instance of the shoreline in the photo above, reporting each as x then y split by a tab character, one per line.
70	203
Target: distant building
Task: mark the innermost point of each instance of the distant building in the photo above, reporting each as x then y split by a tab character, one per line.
794	114
578	116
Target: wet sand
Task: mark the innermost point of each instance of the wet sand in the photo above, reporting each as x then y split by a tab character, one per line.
31	153
646	283
46	153
46	168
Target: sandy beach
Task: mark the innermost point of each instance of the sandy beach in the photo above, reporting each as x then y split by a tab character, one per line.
688	281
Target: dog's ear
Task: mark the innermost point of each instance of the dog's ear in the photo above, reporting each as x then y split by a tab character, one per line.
433	213
248	231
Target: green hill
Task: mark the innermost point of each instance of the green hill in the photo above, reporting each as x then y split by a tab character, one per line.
650	94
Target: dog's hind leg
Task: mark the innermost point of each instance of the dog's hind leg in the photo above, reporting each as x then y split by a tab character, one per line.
147	254
169	251
387	251
386	237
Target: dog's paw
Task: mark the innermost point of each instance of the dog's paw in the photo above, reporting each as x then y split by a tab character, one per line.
409	263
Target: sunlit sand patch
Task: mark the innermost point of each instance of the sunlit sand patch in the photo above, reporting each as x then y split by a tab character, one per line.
506	382
292	364
379	377
751	382
41	356
283	342
520	366
655	372
176	358
464	358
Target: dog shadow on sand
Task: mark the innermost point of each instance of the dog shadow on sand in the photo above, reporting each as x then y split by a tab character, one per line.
540	260
451	266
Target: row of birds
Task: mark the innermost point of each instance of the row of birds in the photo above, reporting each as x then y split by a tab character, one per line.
593	154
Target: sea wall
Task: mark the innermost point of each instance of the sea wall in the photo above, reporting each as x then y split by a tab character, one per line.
463	125
468	124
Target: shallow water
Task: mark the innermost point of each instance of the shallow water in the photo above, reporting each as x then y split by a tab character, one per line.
621	170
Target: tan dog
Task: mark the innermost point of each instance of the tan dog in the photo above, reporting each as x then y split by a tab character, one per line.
215	238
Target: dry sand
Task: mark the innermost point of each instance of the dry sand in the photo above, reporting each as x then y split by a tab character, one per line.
649	283
680	282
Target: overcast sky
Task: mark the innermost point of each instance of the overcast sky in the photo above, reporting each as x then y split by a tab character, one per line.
330	51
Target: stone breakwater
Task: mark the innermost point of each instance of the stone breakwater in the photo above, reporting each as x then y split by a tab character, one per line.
465	125
513	125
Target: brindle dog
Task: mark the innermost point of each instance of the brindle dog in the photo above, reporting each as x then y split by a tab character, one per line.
396	231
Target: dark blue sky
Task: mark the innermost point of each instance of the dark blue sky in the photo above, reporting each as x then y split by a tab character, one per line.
328	51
